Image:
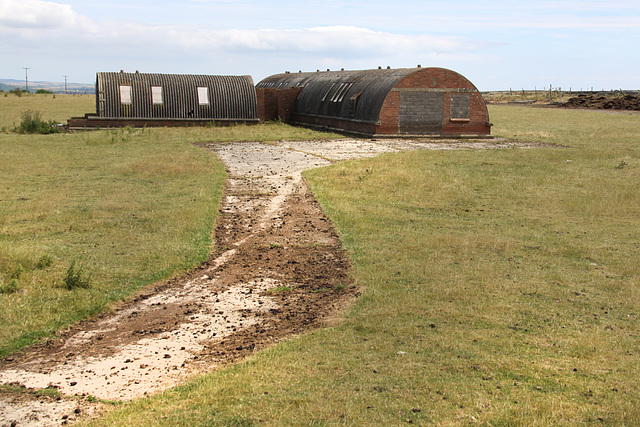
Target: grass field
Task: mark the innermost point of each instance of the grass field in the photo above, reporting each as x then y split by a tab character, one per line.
124	208
500	287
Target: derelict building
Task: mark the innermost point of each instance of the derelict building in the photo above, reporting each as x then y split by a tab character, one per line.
142	99
433	102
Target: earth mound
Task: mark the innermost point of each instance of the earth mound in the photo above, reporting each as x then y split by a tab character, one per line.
626	102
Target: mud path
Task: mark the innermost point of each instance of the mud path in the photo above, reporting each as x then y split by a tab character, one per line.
280	270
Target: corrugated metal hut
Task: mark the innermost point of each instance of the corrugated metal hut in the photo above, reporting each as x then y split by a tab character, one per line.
141	99
433	102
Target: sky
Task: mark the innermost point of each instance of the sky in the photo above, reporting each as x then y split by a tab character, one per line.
497	44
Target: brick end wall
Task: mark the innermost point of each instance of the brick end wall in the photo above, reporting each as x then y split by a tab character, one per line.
438	78
390	115
276	103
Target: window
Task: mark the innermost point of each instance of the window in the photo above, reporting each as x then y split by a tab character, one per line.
460	107
327	94
338	92
344	91
156	95
203	95
125	94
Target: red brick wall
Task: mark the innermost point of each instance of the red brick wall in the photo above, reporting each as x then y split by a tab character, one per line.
286	102
276	103
389	114
267	104
438	78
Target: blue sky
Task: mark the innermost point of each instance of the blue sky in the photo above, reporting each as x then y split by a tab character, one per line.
498	45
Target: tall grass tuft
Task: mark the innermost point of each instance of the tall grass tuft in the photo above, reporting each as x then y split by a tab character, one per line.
75	278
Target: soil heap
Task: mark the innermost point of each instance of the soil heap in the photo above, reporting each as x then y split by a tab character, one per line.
626	102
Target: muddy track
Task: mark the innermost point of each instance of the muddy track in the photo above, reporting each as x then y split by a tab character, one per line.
279	270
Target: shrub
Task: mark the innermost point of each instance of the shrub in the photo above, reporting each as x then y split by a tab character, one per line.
32	123
75	278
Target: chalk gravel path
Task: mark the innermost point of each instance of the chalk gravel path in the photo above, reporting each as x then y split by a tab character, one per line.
273	235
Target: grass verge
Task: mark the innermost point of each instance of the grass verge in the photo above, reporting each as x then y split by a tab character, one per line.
501	288
88	218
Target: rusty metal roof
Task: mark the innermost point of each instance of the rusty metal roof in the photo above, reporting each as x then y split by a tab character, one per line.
352	95
175	96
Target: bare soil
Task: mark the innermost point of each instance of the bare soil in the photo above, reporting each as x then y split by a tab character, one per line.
627	102
279	270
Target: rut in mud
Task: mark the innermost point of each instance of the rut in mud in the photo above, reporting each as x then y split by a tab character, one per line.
279	270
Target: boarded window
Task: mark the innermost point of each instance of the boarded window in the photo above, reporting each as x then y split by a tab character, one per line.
460	106
125	94
156	95
203	95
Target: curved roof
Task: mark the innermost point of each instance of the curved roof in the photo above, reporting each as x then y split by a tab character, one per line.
229	97
352	95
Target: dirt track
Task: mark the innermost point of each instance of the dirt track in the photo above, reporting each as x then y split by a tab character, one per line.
280	270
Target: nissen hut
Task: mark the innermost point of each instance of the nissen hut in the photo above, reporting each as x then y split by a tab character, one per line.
141	99
431	102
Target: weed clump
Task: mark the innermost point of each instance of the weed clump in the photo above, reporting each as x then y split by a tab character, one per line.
32	123
75	278
44	262
13	285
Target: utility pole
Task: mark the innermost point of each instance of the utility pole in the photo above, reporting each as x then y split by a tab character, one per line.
65	84
26	78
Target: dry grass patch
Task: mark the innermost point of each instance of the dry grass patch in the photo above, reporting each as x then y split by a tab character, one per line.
124	207
501	287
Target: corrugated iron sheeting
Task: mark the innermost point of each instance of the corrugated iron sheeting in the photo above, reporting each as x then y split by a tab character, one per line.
229	97
350	95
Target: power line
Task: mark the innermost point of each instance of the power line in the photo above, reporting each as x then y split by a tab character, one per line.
26	78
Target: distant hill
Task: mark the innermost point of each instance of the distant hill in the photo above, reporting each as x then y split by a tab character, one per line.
6	87
55	87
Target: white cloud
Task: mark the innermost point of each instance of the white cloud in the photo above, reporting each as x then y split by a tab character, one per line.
336	40
35	14
35	24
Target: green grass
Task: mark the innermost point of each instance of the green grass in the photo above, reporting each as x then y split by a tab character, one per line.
88	218
52	107
500	287
126	207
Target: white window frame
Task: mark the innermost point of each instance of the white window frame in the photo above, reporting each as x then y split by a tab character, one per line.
125	94
156	95
203	95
